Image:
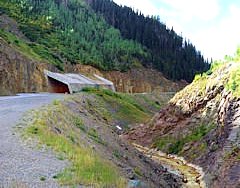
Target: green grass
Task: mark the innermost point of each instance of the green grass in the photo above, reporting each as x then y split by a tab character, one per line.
152	103
124	106
79	124
87	168
33	51
92	133
121	96
234	82
137	171
175	145
20	45
117	154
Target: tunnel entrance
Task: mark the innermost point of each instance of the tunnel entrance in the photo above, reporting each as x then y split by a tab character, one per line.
74	83
55	86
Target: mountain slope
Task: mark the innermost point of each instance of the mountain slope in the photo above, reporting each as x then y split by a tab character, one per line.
20	72
169	53
201	123
22	63
73	33
69	32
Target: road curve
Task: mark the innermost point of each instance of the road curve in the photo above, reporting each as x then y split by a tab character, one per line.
20	165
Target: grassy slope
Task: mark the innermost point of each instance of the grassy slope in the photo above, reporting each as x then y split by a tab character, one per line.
33	51
36	51
60	127
86	166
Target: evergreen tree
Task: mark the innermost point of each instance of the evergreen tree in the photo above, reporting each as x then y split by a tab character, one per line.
169	53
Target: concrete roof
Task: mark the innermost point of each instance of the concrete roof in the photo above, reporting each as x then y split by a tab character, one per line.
76	82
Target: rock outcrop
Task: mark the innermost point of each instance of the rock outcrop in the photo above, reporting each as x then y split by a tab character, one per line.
23	73
202	124
143	80
19	73
138	80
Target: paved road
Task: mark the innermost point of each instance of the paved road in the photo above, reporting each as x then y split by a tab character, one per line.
20	165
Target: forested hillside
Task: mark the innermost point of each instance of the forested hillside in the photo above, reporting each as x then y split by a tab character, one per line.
69	31
169	52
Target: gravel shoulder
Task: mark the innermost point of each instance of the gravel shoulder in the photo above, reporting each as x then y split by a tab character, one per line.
21	165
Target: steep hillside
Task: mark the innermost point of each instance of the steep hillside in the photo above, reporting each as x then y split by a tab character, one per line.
68	33
19	72
84	130
22	64
169	53
201	123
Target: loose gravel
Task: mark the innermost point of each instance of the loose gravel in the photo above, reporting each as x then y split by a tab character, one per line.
21	165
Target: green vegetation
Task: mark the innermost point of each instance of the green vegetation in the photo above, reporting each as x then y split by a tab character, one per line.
117	154
175	145
87	168
121	96
74	31
31	50
168	52
230	79
124	106
234	82
21	45
137	171
92	133
152	103
42	178
79	124
214	66
234	78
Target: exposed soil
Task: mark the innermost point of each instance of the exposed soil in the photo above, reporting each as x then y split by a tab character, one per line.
201	123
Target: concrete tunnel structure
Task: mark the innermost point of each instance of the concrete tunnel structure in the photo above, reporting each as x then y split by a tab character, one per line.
74	83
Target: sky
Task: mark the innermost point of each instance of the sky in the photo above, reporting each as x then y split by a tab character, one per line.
213	26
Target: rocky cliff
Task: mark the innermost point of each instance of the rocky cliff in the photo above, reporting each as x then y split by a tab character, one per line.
18	73
202	124
141	80
138	80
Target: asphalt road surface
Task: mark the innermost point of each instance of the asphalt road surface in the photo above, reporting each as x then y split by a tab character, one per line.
20	164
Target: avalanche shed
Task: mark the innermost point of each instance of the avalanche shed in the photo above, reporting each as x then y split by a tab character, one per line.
74	83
